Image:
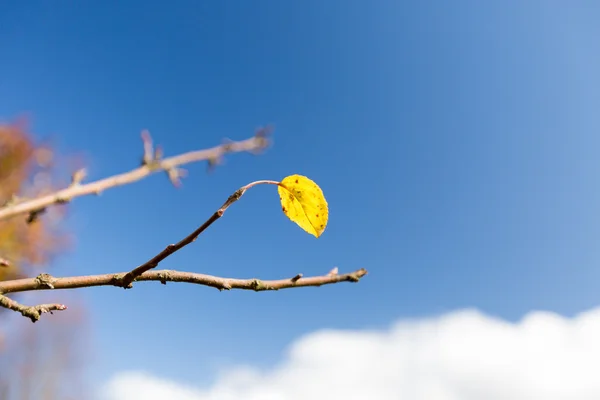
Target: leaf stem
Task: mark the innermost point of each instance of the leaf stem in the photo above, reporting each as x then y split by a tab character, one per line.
266	182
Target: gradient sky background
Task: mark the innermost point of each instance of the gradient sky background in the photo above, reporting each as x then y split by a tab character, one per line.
456	143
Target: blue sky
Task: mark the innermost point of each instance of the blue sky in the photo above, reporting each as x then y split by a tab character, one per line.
456	144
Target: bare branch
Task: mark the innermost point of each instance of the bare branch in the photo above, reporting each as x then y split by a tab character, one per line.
163	276
31	312
75	282
151	164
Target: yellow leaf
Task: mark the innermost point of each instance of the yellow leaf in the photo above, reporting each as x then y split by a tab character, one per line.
303	202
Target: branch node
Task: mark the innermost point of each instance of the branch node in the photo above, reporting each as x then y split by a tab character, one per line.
45	281
153	165
257	285
14	199
164	276
333	272
31	313
118	280
34	312
62	200
35	215
296	278
232	199
4	262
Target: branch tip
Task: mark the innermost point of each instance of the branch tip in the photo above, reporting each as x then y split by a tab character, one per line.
355	276
148	148
264	131
78	176
62	200
31	312
164	277
158	153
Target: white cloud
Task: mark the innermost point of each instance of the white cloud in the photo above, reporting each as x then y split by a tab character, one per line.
463	355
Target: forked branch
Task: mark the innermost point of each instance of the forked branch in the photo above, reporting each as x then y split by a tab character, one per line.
31	312
144	273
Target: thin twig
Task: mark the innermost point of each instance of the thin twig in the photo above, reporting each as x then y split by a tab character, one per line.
172	248
170	165
163	276
31	312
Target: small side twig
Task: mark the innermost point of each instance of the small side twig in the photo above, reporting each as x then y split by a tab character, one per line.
31	312
78	176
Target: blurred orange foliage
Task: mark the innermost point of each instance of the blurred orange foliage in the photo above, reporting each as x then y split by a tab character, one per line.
39	361
26	171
